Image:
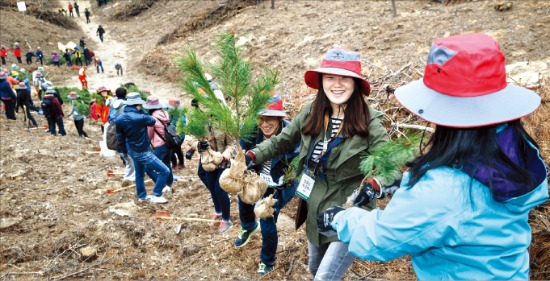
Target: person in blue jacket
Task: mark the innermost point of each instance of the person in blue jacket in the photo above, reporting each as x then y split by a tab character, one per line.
463	206
133	139
271	123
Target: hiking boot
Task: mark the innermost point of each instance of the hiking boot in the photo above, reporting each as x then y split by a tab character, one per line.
167	192
245	236
224	226
158	199
146	199
263	269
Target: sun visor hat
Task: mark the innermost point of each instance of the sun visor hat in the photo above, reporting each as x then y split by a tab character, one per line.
464	85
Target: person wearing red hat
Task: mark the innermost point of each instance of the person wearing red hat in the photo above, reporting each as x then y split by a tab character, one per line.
270	124
463	207
335	131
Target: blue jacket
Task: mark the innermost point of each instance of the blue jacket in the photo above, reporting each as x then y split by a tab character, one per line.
451	225
131	130
6	92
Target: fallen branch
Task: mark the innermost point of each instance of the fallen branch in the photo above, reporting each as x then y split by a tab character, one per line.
409	126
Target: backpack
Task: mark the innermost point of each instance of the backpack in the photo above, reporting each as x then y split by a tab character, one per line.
48	108
110	137
172	139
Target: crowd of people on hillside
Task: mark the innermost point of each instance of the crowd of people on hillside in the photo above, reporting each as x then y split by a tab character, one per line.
462	208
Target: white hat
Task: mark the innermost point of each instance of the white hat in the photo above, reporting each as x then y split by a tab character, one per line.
133	98
464	85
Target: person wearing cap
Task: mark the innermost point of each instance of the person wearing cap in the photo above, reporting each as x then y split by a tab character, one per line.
336	130
39	56
270	124
3	53
24	101
76	111
463	206
117	108
133	140
7	96
17	52
82	76
157	136
56	117
105	109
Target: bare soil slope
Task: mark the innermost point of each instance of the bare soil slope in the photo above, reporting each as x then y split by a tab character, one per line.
53	190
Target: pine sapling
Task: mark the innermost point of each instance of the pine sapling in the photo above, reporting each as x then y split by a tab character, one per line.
233	109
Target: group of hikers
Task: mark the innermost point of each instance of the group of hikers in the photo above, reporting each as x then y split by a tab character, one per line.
463	204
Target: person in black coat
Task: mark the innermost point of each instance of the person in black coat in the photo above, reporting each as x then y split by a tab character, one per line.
29	56
87	56
87	14
100	32
24	101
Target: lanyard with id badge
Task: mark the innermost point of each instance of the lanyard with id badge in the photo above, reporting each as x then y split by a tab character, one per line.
308	176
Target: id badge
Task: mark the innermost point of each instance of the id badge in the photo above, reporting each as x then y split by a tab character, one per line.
267	178
306	185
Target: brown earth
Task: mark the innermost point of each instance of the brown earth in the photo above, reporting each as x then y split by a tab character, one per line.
53	190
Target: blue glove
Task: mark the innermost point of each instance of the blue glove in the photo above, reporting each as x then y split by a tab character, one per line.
324	220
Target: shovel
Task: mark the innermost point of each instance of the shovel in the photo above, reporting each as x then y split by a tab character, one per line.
110	173
163	215
112	191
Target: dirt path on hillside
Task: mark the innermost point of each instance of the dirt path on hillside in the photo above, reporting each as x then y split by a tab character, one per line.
110	52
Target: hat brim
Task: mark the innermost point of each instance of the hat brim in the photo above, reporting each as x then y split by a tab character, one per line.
146	106
508	104
276	113
312	80
134	102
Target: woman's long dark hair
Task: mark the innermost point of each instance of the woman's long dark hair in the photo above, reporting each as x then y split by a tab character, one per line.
356	114
454	147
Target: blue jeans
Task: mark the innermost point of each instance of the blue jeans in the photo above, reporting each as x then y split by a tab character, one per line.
329	261
165	155
220	198
142	161
268	226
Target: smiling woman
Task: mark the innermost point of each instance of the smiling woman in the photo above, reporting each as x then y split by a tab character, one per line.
334	132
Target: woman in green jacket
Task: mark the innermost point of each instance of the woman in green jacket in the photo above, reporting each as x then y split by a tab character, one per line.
334	131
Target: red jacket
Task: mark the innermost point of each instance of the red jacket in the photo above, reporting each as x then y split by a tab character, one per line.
4	53
94	111
17	51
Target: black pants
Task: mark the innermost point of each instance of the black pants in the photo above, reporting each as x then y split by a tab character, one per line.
87	19
19	60
177	154
3	60
79	124
119	70
52	122
29	61
101	37
78	61
10	109
31	118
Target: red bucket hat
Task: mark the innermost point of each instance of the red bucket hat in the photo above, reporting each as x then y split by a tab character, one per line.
464	85
274	107
338	62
